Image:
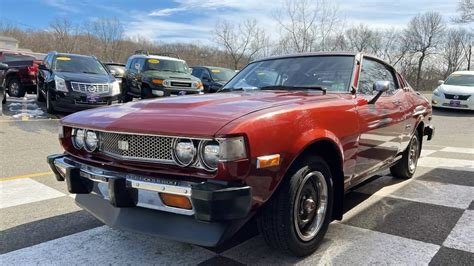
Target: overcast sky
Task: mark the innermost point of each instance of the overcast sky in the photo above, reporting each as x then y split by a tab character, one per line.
194	20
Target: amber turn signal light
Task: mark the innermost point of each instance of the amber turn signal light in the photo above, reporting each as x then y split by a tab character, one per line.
268	161
157	81
176	201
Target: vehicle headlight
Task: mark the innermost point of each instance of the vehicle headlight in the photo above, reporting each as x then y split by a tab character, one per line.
60	84
91	141
184	152
209	154
437	93
115	87
78	138
197	84
166	83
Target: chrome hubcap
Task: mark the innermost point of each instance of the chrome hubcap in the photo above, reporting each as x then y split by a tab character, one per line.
14	88
413	154
311	205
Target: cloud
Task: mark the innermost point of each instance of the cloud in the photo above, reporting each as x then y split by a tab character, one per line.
62	5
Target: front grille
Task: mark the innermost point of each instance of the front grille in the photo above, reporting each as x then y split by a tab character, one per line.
180	84
456	97
97	88
137	147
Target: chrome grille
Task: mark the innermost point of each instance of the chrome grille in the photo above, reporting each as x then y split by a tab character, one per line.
98	88
457	97
181	84
137	147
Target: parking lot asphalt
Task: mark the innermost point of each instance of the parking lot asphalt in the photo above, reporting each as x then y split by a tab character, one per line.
426	220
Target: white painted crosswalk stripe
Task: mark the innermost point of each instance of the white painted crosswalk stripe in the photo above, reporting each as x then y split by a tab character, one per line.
23	191
447	163
462	236
458	150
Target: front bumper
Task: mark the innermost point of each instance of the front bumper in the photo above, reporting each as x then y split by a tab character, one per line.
452	103
76	101
159	91
132	202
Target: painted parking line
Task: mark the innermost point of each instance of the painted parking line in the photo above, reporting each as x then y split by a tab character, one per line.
3	179
23	191
462	236
458	150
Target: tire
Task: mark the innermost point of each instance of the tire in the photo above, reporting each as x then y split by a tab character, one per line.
406	167
286	226
4	99
15	89
125	96
49	103
145	93
39	95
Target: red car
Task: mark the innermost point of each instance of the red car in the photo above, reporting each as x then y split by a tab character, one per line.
283	140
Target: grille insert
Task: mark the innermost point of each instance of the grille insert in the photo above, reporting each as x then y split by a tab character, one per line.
457	97
137	147
90	87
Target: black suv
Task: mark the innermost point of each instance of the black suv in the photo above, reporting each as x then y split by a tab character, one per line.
213	78
70	82
159	74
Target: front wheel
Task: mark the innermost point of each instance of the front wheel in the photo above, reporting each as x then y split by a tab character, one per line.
298	215
405	168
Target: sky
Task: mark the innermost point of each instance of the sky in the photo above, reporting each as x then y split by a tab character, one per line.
193	21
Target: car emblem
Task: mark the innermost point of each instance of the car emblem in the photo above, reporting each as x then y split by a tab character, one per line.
92	89
456	97
123	145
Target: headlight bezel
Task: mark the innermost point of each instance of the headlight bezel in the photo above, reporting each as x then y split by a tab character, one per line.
86	138
74	136
175	156
437	92
60	84
202	157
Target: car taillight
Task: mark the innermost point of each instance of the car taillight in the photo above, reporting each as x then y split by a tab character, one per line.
32	70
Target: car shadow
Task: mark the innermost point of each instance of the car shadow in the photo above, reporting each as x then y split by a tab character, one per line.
452	112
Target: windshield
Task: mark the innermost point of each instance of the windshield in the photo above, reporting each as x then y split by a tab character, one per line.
460	80
331	72
79	64
222	74
166	65
17	57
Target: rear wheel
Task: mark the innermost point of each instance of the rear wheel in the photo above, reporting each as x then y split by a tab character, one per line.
297	217
145	93
15	89
125	96
49	103
405	168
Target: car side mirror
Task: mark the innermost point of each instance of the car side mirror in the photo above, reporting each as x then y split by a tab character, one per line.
380	87
440	82
43	67
3	66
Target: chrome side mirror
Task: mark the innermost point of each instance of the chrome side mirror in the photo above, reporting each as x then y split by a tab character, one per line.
440	82
380	87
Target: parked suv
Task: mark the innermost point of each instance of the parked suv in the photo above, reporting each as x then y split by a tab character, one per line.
21	75
154	75
71	82
213	78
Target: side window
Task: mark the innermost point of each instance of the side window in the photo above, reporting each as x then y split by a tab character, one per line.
373	71
205	74
131	68
140	62
197	72
48	61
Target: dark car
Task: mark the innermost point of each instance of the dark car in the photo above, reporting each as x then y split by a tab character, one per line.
154	75
213	78
70	82
3	94
21	75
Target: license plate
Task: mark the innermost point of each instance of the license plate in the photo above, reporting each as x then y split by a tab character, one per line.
455	103
92	98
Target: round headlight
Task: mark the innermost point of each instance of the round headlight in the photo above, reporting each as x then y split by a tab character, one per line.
78	138
210	154
92	141
184	152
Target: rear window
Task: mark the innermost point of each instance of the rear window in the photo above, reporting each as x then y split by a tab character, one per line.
16	57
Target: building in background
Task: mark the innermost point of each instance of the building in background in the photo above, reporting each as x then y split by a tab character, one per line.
8	43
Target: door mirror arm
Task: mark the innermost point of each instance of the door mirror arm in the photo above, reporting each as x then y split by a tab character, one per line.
380	87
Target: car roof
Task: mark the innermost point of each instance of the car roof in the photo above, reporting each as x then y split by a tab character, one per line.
160	57
465	72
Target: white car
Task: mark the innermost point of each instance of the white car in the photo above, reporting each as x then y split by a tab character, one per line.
456	92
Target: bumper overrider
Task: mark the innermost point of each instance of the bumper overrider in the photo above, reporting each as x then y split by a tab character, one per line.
135	203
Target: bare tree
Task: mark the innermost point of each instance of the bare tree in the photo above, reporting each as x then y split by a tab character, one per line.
64	34
361	39
110	33
466	12
453	50
423	34
243	42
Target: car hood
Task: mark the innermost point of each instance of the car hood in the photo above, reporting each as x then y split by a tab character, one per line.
84	77
197	115
452	89
169	75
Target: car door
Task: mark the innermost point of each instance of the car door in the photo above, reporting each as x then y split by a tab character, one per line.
45	75
206	79
380	122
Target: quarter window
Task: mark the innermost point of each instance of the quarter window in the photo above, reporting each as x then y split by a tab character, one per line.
373	71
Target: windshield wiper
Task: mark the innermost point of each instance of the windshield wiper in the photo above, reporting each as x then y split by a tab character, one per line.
282	87
88	72
230	89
